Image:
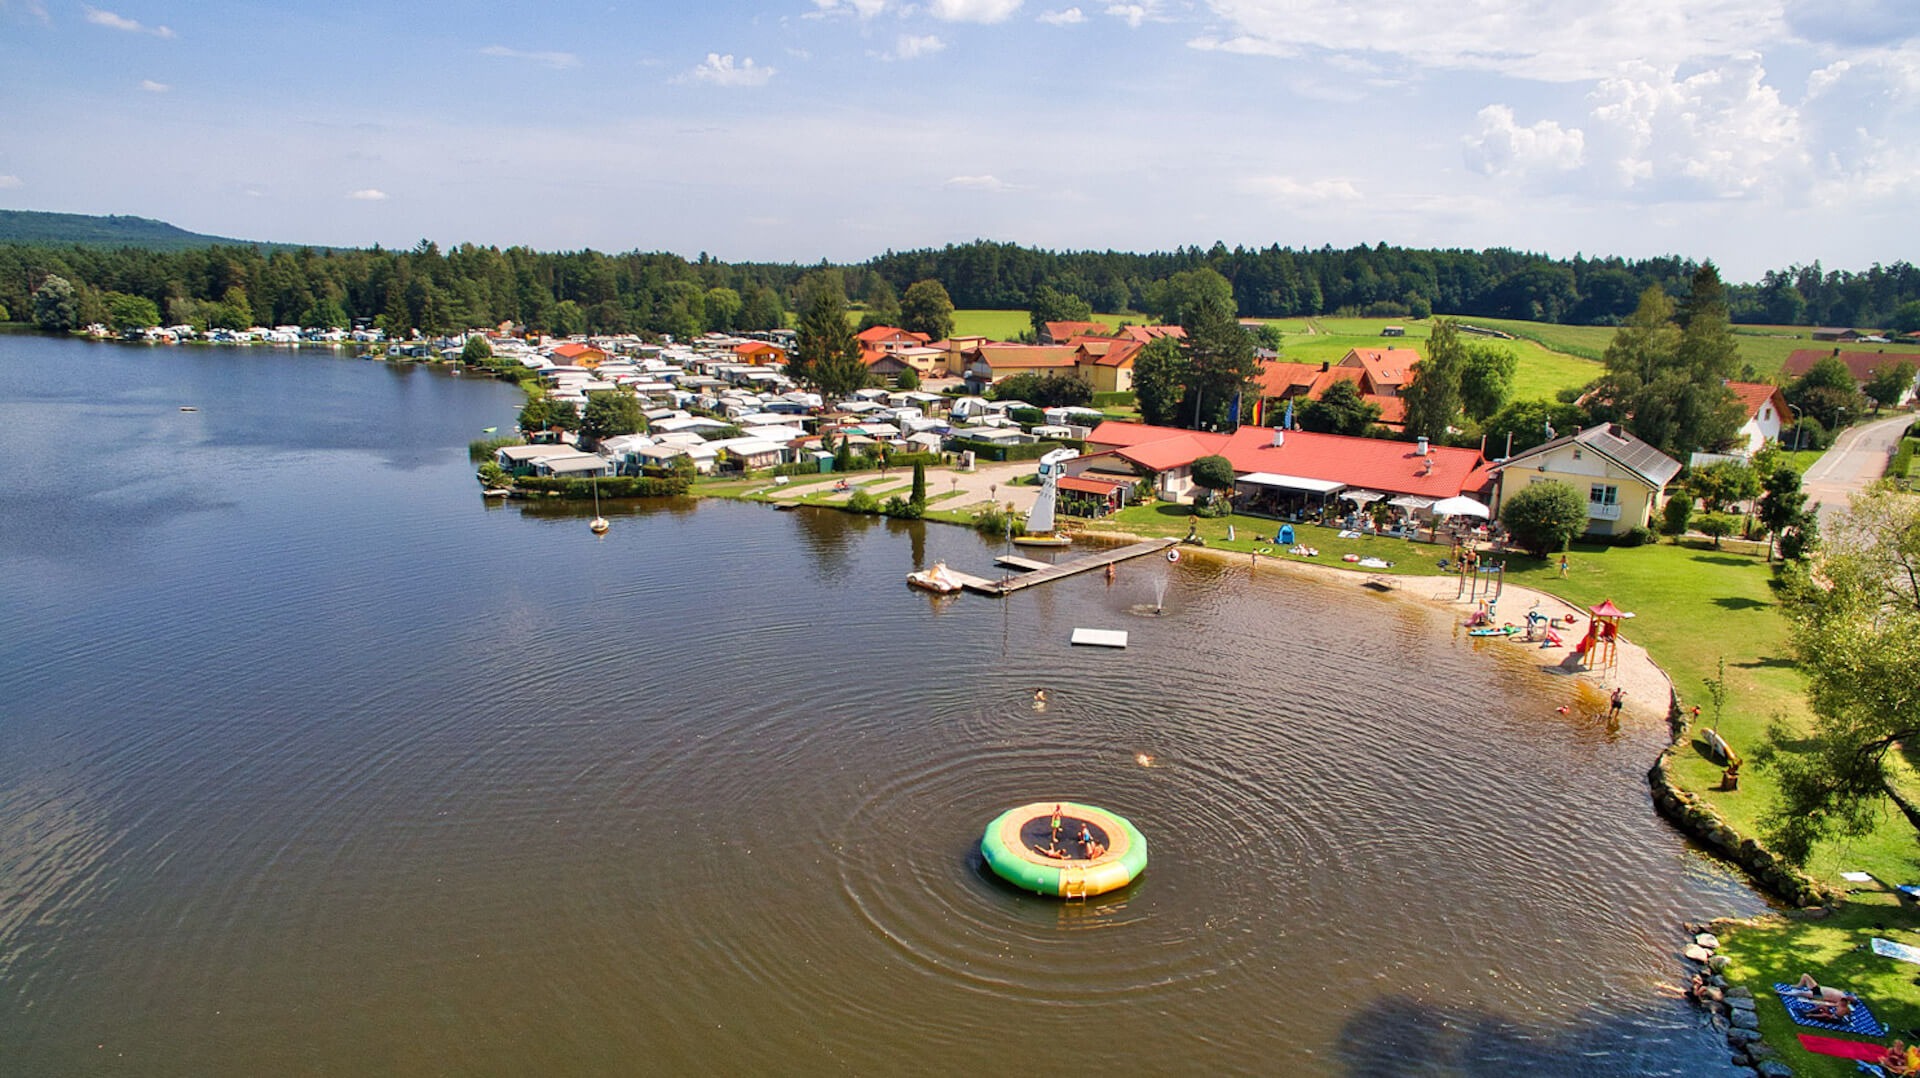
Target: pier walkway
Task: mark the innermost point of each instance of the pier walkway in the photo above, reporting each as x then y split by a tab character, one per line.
1048	573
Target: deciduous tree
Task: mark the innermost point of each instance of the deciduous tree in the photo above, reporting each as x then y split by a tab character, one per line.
1340	410
1486	379
1051	305
1889	384
1160	381
1433	397
1220	364
927	309
611	414
56	308
1855	627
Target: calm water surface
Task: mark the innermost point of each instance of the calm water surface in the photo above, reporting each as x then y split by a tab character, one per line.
311	762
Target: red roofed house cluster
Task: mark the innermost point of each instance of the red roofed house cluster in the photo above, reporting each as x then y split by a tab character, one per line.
1863	365
1282	470
1379	374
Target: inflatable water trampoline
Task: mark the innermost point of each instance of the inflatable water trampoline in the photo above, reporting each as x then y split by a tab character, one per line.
1064	849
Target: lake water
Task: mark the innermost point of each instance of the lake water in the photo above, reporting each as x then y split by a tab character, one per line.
313	762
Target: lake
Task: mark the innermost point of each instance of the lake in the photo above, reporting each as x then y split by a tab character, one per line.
312	761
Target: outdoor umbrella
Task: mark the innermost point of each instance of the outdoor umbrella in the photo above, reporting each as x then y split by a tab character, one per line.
1361	497
1460	506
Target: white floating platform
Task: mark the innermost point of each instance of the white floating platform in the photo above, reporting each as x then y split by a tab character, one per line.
1101	638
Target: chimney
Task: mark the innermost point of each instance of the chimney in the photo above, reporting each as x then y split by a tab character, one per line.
1422	450
1279	437
1429	470
1325	363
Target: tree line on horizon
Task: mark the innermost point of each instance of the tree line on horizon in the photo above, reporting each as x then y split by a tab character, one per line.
566	292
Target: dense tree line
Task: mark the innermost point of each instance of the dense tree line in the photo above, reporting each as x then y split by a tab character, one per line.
429	289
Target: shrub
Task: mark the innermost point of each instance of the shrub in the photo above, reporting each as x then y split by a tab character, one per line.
1718	526
1808	433
1124	399
625	486
903	508
485	448
1639	535
1678	513
1545	517
1027	417
493	475
992	520
862	502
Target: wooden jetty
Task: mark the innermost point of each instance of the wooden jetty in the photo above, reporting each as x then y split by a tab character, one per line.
1025	565
1047	574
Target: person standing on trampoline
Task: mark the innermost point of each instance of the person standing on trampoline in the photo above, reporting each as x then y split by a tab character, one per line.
1055	824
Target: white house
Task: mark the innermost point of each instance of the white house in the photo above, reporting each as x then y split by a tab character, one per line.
1767	414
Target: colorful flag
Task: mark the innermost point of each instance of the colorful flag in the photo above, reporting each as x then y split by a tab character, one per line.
1236	408
1288	422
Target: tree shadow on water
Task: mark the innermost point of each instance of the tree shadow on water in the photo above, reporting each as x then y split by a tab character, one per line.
1401	1036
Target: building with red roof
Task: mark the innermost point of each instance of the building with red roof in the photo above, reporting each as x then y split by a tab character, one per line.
1767	413
1280	381
760	353
1065	332
1863	365
1276	463
575	354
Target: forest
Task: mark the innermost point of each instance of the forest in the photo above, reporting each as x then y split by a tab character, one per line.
433	290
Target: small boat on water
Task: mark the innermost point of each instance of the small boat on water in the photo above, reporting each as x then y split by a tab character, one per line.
936	579
188	408
599	523
1053	539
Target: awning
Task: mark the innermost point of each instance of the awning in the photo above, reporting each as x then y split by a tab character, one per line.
1410	501
1089	486
1361	497
1291	482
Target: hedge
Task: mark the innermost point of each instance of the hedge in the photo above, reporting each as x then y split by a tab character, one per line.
1025	451
1123	399
624	486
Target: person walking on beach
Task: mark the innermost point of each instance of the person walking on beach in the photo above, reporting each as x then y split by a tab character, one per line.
1616	702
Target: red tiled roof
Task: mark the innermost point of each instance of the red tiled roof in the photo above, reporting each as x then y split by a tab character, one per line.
574	351
1281	379
1368	463
1752	395
1145	334
1060	331
1385	366
1023	356
1107	351
875	334
1862	364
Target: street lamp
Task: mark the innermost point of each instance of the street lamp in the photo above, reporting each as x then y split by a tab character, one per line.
1796	427
1838	411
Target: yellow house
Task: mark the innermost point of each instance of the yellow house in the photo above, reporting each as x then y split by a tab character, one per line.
1624	478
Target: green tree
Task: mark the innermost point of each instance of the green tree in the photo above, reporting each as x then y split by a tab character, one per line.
1854	617
1050	305
1545	517
476	351
1889	384
927	309
1220	364
126	312
611	414
1826	392
919	483
883	306
545	413
1044	390
1160	380
762	310
1906	317
826	355
1340	410
1214	472
1486	379
1667	370
1723	483
1433	397
1268	336
723	306
1180	298
1527	423
1783	505
907	379
56	307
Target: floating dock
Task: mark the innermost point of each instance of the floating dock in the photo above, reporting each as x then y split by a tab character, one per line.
1047	574
1025	565
1100	638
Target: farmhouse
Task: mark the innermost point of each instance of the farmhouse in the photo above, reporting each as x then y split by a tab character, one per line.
1863	365
1623	477
1767	414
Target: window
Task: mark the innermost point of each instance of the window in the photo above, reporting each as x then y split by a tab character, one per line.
1602	495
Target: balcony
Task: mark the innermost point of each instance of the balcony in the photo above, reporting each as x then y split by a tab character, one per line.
1602	511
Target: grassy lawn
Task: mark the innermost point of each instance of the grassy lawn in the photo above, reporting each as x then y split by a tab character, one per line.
1835	950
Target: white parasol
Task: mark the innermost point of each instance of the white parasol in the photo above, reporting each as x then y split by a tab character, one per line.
1460	506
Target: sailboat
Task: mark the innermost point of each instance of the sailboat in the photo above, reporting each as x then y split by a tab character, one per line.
1040	530
599	524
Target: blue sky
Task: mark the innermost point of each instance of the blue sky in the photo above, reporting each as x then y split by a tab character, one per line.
1757	133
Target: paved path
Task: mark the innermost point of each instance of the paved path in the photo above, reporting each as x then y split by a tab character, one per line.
1858	457
988	482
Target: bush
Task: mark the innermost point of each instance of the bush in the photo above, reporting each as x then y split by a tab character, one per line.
1124	399
1808	433
1678	513
493	475
1545	517
862	502
625	486
485	448
993	520
1639	535
902	508
1032	451
1027	417
1718	526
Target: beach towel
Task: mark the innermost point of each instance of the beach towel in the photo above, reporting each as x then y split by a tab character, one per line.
1890	949
1911	890
1857	877
1860	1021
1834	1046
1870	1068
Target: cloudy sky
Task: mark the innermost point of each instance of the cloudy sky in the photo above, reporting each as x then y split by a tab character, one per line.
1757	133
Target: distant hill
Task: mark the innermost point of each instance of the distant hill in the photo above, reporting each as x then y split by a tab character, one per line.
60	229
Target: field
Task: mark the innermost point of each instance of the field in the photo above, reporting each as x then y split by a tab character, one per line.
1543	371
1008	325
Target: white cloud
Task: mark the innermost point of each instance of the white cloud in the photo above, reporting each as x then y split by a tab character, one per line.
911	47
34	9
1719	133
978	183
1548	40
1499	146
1131	14
1070	17
559	61
722	71
368	194
1288	189
988	11
153	87
120	22
865	9
8	182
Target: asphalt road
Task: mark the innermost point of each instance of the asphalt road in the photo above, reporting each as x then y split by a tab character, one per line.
1858	457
